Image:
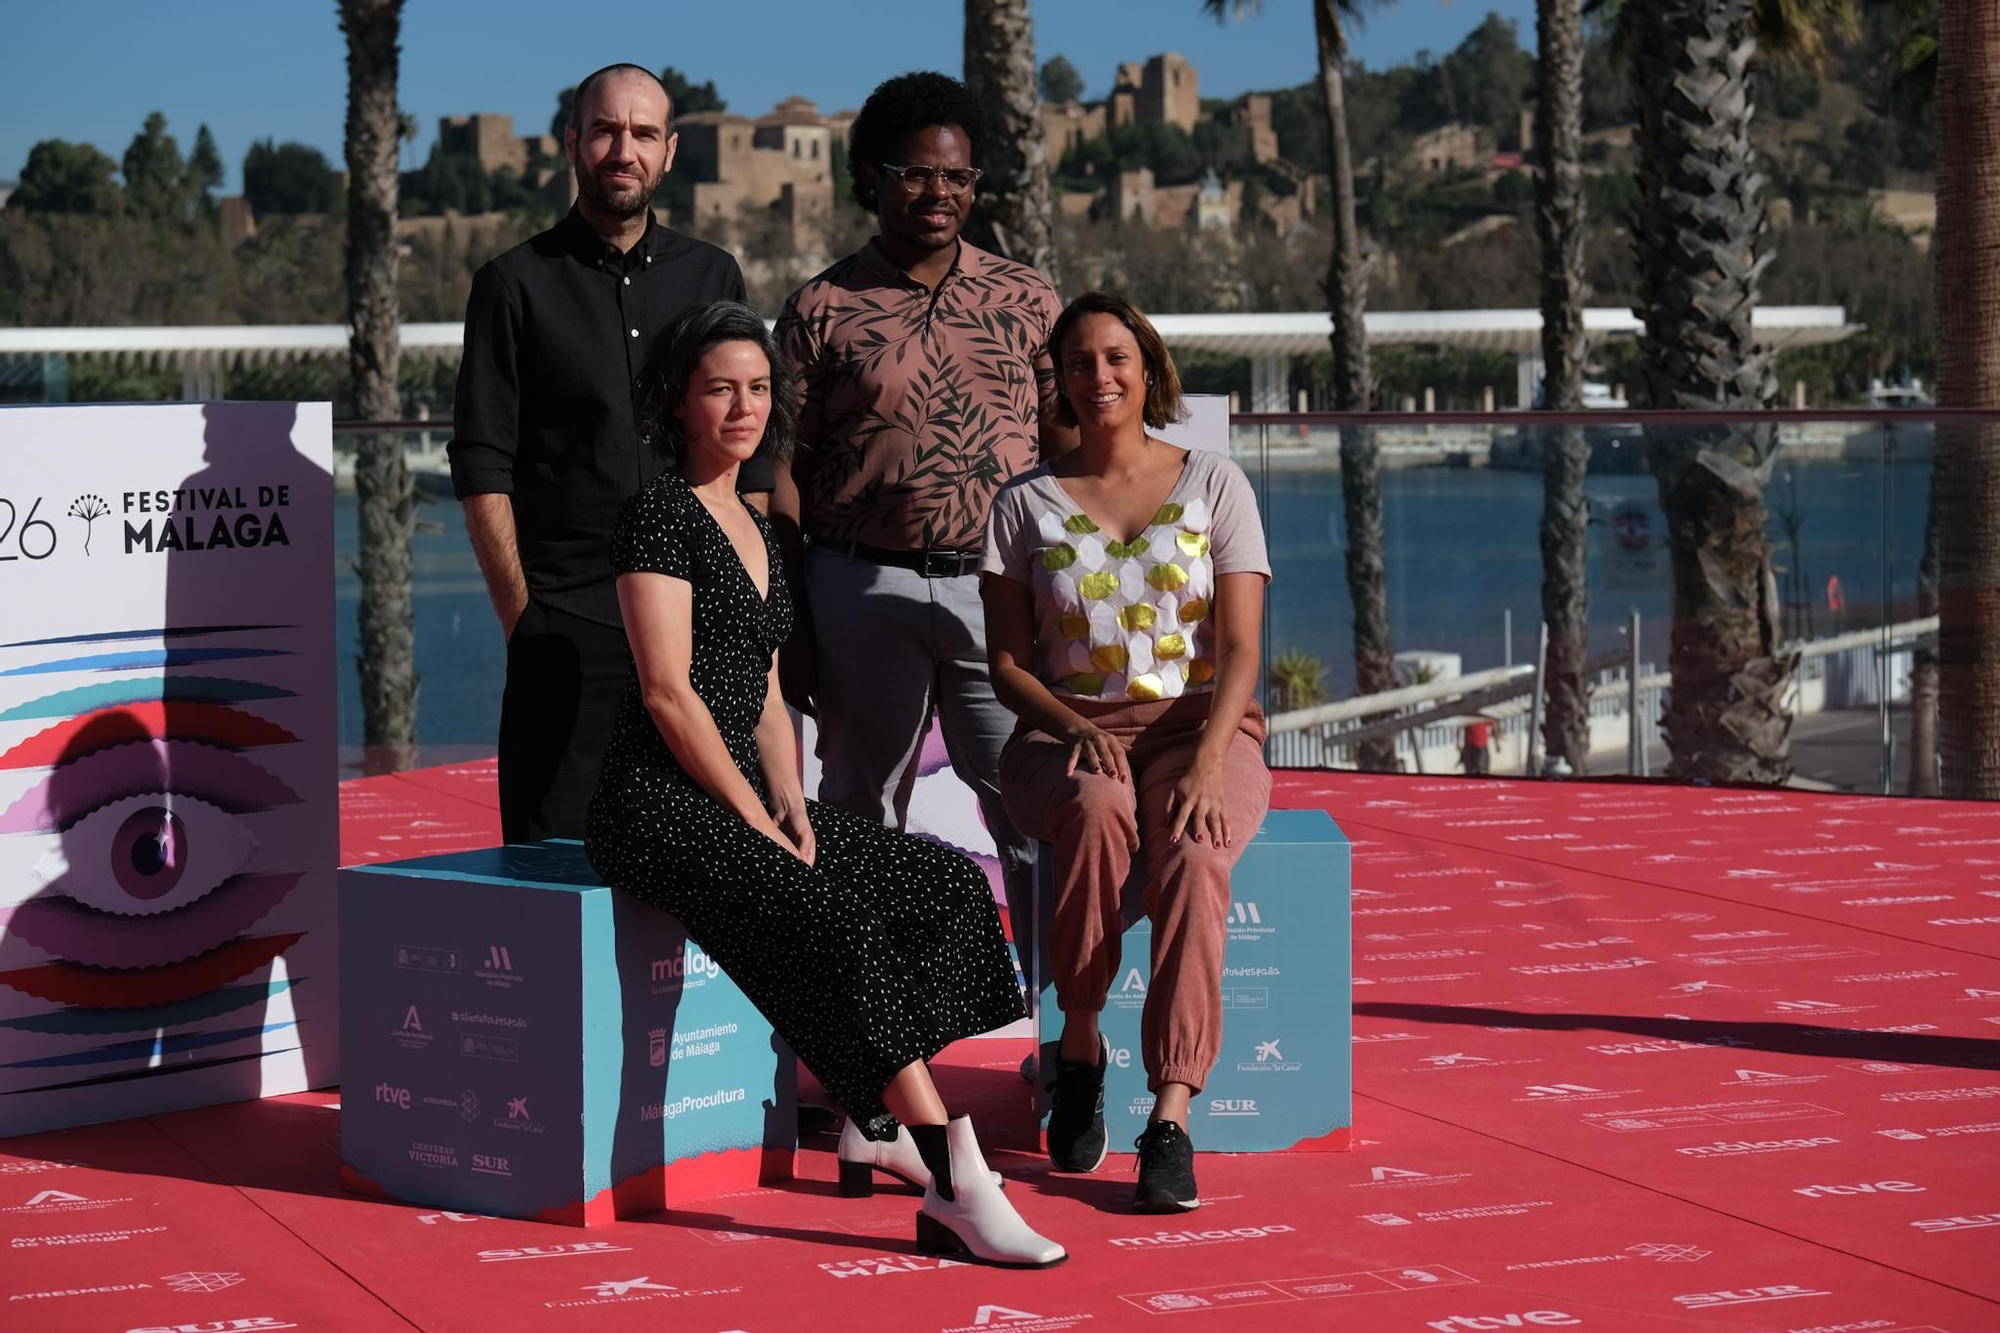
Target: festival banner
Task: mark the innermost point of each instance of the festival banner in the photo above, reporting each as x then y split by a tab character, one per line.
168	804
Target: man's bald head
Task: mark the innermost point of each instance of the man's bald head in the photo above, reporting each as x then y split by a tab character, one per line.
622	70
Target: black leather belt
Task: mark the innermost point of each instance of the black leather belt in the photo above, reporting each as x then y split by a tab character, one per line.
936	562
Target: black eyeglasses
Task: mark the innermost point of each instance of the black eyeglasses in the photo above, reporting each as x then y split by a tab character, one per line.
917	180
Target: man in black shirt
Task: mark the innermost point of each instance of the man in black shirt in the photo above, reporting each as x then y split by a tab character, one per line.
546	451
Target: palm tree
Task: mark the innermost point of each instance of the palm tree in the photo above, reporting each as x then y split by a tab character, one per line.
384	496
1566	456
1967	470
1346	288
1014	193
1699	234
1912	95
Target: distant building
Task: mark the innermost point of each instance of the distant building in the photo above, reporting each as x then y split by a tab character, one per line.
1065	125
1453	147
237	221
1135	197
1163	90
1216	206
1251	115
488	138
782	162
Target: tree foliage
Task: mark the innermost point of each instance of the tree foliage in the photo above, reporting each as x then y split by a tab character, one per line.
289	178
689	96
1059	80
64	177
156	183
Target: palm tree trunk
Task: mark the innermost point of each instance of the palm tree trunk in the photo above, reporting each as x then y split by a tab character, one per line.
1566	457
1967	470
384	496
1698	232
1014	193
1360	468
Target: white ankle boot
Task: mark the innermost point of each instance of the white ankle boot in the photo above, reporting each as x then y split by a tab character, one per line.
861	1157
978	1223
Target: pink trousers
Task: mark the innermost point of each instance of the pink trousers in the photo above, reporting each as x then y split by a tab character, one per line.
1098	825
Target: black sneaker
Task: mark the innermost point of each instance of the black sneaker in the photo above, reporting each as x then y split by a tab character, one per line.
1076	1116
1166	1170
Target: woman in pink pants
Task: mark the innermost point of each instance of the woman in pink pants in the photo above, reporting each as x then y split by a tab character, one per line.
1124	590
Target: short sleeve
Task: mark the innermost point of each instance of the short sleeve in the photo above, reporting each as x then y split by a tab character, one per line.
1007	538
652	536
1236	535
800	350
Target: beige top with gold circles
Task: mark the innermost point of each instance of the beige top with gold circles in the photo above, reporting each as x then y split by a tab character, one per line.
1127	620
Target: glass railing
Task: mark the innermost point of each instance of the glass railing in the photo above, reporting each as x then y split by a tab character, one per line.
1844	502
1844	511
461	655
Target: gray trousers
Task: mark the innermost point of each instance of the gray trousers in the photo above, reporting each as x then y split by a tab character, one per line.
892	646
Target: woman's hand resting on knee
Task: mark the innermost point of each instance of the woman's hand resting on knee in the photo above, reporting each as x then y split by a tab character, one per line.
1195	806
795	830
1096	751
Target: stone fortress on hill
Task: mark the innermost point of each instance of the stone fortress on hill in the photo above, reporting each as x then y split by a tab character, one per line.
787	167
776	180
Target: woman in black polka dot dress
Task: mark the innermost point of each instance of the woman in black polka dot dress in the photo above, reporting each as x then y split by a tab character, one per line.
868	950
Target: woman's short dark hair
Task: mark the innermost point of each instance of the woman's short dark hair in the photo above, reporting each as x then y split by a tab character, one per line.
663	382
1163	382
900	107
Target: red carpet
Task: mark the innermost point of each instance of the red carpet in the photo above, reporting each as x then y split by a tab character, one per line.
1627	1057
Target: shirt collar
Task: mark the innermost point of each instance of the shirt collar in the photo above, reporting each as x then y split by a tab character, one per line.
971	260
596	252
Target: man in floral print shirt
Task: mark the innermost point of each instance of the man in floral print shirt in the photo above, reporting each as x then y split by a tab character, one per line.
926	384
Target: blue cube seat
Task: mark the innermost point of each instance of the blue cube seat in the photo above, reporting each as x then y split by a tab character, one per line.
1284	1081
517	1040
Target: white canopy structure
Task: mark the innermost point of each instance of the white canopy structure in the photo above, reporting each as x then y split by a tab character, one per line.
202	353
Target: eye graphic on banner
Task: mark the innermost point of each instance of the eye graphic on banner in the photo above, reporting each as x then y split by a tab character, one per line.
168	807
159	828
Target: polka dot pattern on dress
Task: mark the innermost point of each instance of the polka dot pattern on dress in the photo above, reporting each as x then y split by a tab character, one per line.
883	952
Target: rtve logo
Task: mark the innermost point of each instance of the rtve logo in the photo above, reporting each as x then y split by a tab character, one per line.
392	1095
1879	1187
1532	1319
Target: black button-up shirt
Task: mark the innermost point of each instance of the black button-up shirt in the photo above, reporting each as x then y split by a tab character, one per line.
556	331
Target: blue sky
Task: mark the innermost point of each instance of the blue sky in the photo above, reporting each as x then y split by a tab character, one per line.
91	72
